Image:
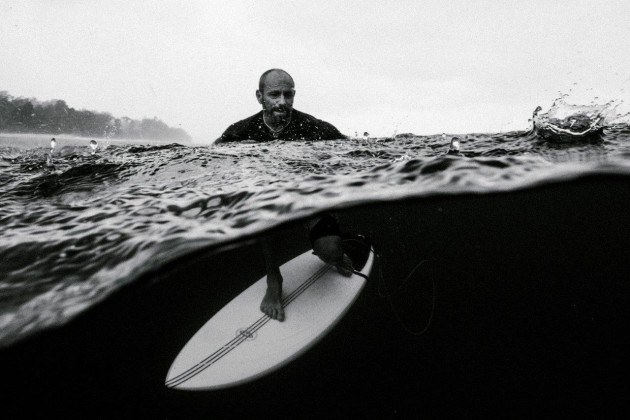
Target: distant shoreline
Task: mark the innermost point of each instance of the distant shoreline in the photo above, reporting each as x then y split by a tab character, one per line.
43	140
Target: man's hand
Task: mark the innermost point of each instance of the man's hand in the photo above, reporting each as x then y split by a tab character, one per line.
329	250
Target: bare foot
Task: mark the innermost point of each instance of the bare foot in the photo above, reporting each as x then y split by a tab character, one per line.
344	267
272	303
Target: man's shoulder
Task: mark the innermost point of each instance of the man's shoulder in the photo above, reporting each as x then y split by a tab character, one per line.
321	130
248	120
243	129
303	116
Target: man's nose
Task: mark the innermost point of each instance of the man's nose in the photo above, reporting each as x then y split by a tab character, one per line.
281	99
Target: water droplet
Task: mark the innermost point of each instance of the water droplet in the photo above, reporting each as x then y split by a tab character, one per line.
454	146
49	159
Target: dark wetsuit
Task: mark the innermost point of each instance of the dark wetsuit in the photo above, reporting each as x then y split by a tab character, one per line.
301	127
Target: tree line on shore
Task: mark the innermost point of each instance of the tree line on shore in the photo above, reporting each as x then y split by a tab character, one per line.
28	115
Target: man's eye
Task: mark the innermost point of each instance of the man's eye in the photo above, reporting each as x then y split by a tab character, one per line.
288	94
274	94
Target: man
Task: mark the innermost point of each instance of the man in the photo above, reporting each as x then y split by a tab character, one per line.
279	121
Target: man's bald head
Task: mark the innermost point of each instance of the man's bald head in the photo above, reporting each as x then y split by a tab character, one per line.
275	75
275	94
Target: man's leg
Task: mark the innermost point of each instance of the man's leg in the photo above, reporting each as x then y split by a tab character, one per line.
272	302
325	236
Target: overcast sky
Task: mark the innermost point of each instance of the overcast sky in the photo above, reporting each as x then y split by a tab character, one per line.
379	66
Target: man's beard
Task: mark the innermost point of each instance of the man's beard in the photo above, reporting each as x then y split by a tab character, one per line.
279	119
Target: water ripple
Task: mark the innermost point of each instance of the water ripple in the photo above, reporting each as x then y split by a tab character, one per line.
77	229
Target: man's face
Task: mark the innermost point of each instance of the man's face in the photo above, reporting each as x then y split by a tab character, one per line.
277	96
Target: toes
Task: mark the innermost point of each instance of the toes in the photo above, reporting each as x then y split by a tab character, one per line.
267	310
273	312
344	269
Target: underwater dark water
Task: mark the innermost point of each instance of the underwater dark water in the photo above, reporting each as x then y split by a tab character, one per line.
502	221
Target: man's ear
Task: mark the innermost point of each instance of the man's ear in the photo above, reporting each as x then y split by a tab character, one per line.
259	96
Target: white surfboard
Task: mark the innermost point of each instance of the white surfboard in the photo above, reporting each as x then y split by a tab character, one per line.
240	343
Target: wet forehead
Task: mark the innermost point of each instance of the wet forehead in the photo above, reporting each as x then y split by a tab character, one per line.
278	81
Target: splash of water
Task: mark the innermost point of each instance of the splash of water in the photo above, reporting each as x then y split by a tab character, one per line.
453	148
49	158
566	122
